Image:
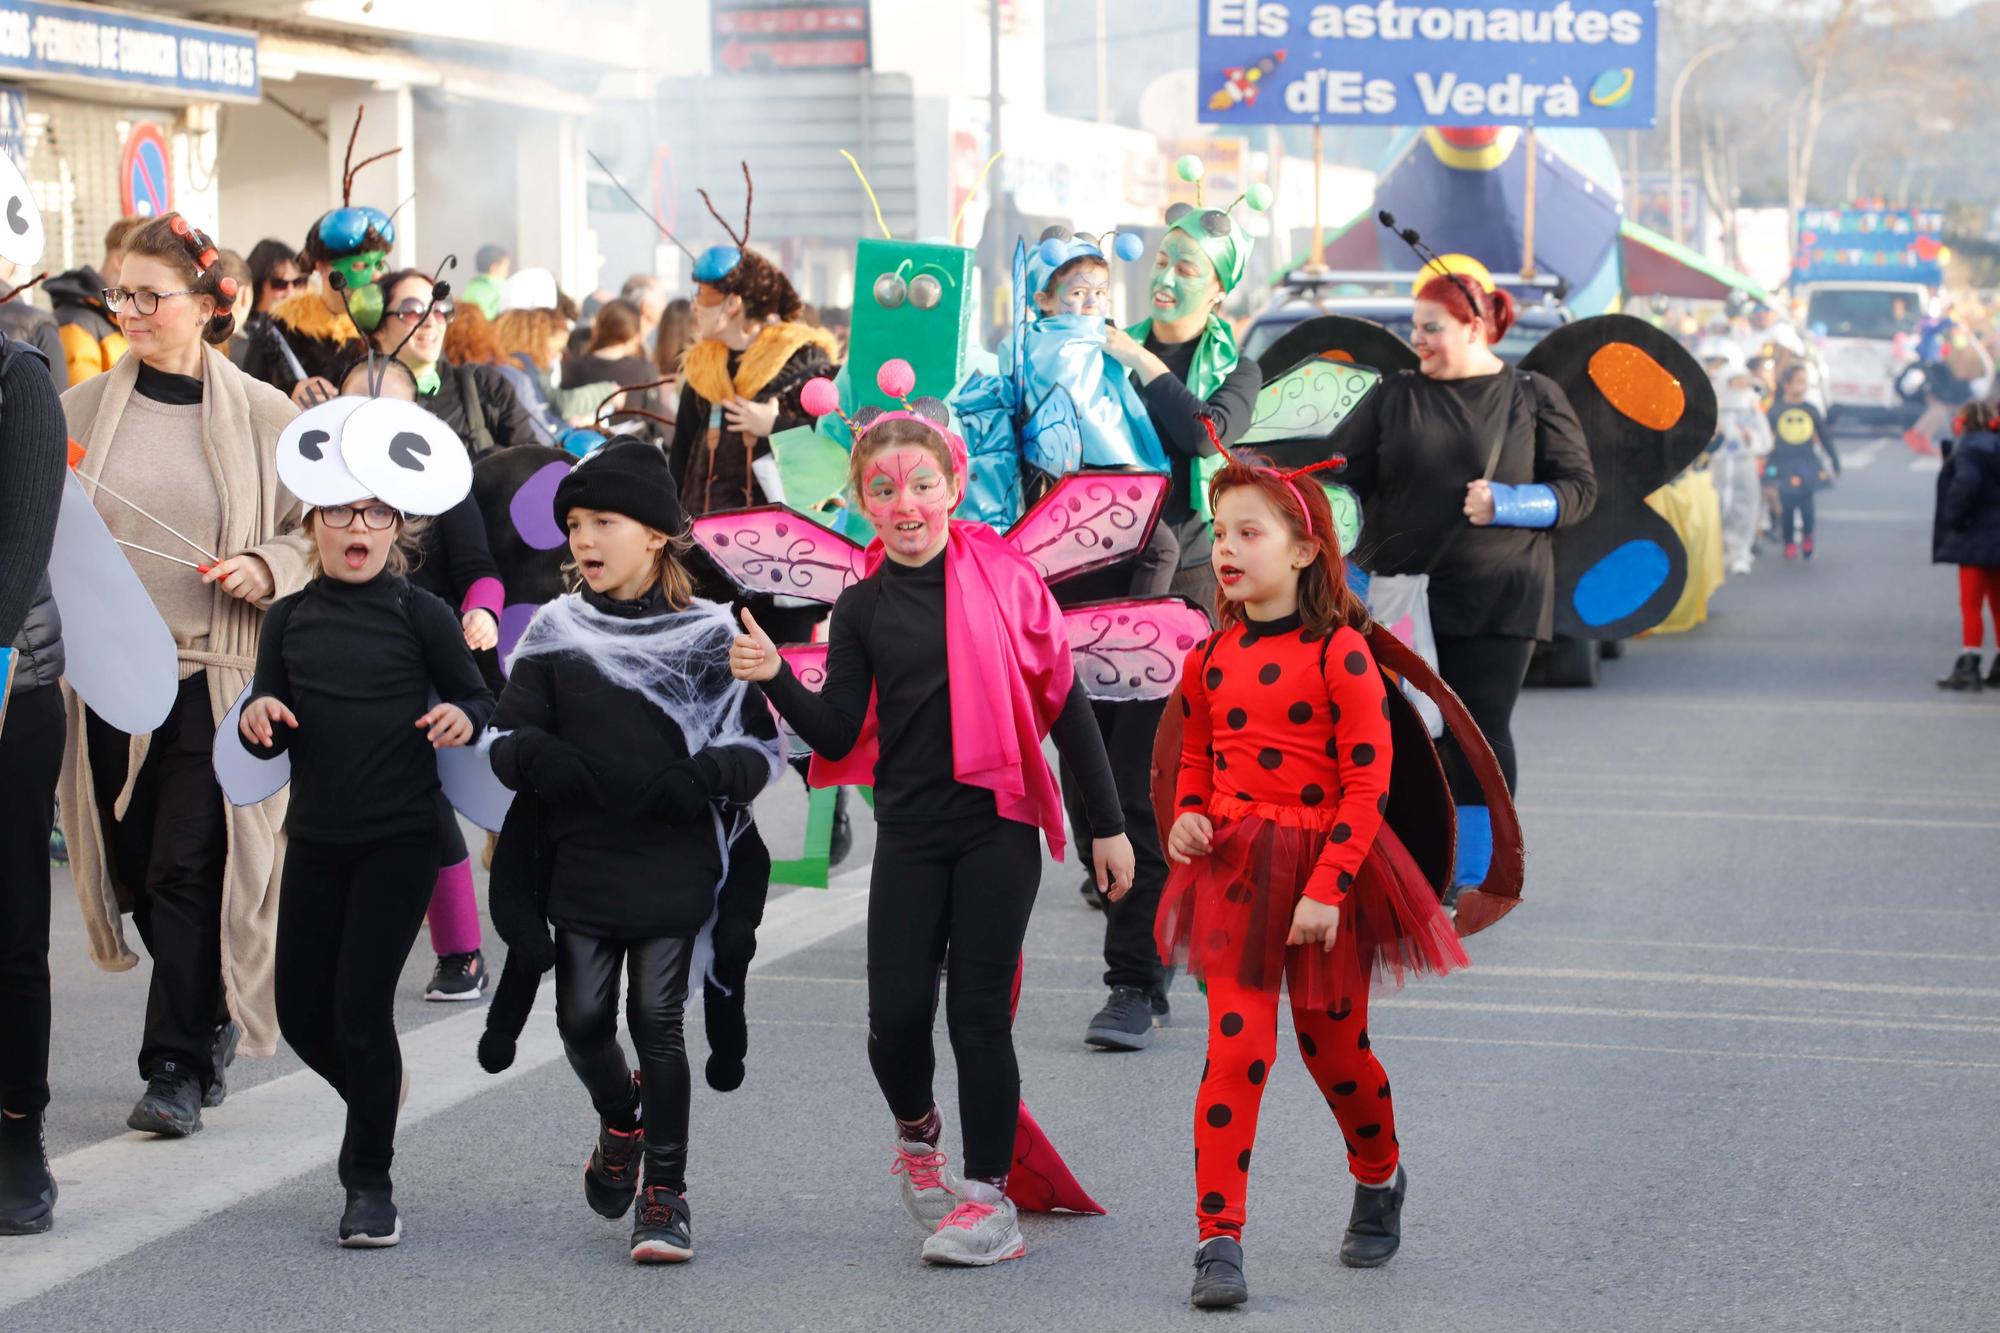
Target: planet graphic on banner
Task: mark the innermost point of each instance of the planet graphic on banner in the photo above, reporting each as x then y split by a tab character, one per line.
1613	87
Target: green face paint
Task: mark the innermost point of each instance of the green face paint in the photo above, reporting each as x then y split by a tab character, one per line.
1184	274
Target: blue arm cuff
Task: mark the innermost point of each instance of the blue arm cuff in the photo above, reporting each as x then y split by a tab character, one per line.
1528	506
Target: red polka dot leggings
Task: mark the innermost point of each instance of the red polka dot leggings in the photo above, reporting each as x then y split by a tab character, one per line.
1242	1044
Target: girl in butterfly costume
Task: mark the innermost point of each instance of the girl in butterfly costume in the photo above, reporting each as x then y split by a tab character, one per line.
1284	864
948	663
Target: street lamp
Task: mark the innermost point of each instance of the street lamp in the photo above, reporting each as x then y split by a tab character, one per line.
1674	128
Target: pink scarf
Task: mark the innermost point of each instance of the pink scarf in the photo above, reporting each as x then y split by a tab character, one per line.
1008	658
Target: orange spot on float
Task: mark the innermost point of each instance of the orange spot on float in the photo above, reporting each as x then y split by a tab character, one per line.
1335	354
1638	386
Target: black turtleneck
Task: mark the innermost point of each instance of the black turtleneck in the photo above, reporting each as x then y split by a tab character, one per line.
357	664
163	386
887	640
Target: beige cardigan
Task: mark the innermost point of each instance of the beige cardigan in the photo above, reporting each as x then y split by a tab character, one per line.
241	419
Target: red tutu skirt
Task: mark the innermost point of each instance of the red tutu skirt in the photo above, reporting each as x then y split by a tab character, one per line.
1228	913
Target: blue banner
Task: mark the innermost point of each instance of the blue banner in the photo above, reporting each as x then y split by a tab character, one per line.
1588	63
1870	245
52	40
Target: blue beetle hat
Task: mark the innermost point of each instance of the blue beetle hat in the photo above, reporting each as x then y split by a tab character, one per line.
352	229
1060	246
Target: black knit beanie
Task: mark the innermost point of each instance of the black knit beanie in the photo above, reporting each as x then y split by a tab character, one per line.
629	478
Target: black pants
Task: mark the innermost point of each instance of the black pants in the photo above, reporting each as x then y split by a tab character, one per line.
169	851
1131	958
1794	504
964	890
31	751
1487	671
347	918
587	1016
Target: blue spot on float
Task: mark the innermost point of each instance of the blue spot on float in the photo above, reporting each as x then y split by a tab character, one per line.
1620	583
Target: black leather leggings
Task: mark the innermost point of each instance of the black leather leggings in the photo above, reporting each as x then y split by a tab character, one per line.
587	1016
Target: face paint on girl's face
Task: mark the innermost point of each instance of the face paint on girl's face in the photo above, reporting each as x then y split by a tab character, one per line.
1184	283
1087	291
908	498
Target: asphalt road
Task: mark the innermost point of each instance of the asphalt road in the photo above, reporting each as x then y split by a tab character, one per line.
1733	1064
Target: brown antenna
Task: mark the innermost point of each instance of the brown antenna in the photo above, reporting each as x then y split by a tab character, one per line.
349	167
749	192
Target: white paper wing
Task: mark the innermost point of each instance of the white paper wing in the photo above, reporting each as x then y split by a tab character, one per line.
244	778
120	655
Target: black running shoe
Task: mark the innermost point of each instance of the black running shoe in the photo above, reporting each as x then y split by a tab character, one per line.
27	1188
458	976
171	1107
1375	1228
1091	897
370	1222
1125	1023
660	1232
58	848
221	1055
841	842
612	1176
1218	1275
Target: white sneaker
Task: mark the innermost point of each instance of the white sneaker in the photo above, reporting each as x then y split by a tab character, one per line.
984	1229
930	1188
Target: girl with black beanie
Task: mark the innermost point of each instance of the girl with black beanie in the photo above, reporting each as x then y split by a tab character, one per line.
622	723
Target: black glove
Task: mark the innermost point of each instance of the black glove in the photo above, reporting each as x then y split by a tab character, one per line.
728	1036
558	773
681	792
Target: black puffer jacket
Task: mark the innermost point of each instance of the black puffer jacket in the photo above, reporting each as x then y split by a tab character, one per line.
1966	530
38	648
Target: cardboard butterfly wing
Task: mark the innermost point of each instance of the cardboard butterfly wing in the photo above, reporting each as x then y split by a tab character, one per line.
1647	411
1089	520
515	490
119	656
1127	650
1295	415
776	549
1342	340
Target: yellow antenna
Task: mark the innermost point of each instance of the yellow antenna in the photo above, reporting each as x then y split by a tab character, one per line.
876	203
959	216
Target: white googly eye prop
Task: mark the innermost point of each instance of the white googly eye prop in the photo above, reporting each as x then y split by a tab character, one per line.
22	238
309	455
405	457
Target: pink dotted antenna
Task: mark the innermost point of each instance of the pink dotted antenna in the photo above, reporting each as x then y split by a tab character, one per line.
896	378
822	399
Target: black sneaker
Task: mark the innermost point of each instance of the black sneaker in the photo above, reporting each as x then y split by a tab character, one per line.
1163	1012
1125	1023
458	976
1091	897
1218	1275
1375	1228
171	1107
27	1189
221	1055
58	848
842	840
1965	674
612	1176
1993	676
660	1232
370	1222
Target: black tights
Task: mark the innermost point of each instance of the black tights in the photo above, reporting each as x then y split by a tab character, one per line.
961	891
587	1016
1486	671
347	918
31	750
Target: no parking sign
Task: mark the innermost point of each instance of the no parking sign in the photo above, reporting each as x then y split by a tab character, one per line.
145	174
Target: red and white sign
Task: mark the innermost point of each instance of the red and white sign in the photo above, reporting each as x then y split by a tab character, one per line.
757	36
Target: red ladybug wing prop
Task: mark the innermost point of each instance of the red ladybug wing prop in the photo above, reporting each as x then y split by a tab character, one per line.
1041	1181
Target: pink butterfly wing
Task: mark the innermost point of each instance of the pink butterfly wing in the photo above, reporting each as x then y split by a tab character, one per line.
1129	650
775	549
1089	520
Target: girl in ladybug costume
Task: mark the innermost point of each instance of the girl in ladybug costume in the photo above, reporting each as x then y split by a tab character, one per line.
1284	867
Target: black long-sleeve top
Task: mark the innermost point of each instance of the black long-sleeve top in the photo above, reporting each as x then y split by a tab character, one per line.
1176	412
617	872
357	663
455	555
33	441
888	639
1414	445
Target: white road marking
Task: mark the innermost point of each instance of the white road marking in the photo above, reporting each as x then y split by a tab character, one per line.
1705	945
126	1192
1927	463
1758	817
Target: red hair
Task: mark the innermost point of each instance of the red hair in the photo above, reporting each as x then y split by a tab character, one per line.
1325	601
1457	295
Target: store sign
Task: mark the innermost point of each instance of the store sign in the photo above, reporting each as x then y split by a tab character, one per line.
50	40
1870	245
1384	62
758	36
